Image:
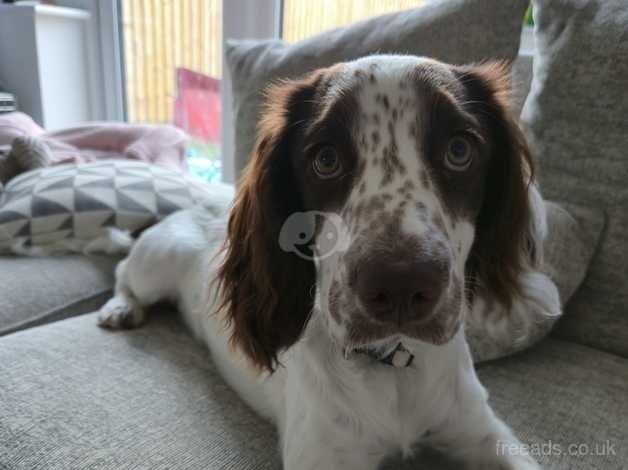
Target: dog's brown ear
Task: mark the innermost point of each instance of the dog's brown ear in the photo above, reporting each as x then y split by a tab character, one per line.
502	246
267	292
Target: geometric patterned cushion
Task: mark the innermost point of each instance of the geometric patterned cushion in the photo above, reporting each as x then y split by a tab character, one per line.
79	201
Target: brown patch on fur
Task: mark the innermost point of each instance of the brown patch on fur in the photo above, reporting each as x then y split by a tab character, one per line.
334	300
498	253
266	292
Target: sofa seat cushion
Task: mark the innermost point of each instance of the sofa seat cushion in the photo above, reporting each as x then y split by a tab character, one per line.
76	396
73	395
39	290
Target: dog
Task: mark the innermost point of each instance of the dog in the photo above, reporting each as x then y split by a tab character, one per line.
388	202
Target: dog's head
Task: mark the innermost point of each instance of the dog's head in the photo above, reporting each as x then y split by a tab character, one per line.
379	193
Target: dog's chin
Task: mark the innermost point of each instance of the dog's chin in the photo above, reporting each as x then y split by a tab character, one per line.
380	340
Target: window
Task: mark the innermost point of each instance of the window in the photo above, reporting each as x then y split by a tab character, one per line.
303	18
172	63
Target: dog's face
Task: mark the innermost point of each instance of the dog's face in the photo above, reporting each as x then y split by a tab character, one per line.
379	192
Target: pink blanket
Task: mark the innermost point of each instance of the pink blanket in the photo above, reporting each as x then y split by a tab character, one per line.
160	144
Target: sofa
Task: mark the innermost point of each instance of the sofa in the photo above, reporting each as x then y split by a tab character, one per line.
75	396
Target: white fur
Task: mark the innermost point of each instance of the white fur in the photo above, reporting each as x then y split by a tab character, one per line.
332	412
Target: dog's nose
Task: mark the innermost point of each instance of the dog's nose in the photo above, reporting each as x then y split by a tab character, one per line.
400	290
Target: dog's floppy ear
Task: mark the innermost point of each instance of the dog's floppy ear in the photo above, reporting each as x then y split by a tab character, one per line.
503	246
267	290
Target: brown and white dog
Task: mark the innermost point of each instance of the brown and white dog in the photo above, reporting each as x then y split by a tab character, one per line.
388	202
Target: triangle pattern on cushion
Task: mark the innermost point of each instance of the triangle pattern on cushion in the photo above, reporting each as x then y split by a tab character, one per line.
129	201
25	231
168	205
144	184
50	237
50	223
182	191
60	182
107	171
106	196
134	172
12	195
93	201
64	197
8	216
99	164
103	183
110	222
24	178
59	171
21	206
134	220
160	170
164	184
12	228
85	178
90	224
42	206
122	181
67	225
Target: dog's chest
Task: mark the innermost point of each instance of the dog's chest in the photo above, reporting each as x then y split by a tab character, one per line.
389	408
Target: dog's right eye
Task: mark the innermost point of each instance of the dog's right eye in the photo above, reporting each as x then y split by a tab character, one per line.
327	163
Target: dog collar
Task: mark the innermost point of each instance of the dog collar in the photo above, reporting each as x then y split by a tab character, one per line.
398	357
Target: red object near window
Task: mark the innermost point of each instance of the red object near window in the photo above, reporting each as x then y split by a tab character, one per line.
197	106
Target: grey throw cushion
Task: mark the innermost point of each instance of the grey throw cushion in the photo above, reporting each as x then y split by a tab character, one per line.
576	116
77	397
573	235
65	207
34	291
455	31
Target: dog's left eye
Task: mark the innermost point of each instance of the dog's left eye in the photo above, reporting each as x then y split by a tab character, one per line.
459	153
327	163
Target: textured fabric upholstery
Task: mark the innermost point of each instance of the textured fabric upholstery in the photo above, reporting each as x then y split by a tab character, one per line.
75	396
40	290
455	31
576	116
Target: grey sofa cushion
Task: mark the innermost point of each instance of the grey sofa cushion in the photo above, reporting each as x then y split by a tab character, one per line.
34	291
576	116
76	396
456	31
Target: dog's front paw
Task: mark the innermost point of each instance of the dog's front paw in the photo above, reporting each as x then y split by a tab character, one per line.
121	312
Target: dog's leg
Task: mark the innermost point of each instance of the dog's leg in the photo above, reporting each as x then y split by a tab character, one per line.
157	264
474	435
123	310
309	449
